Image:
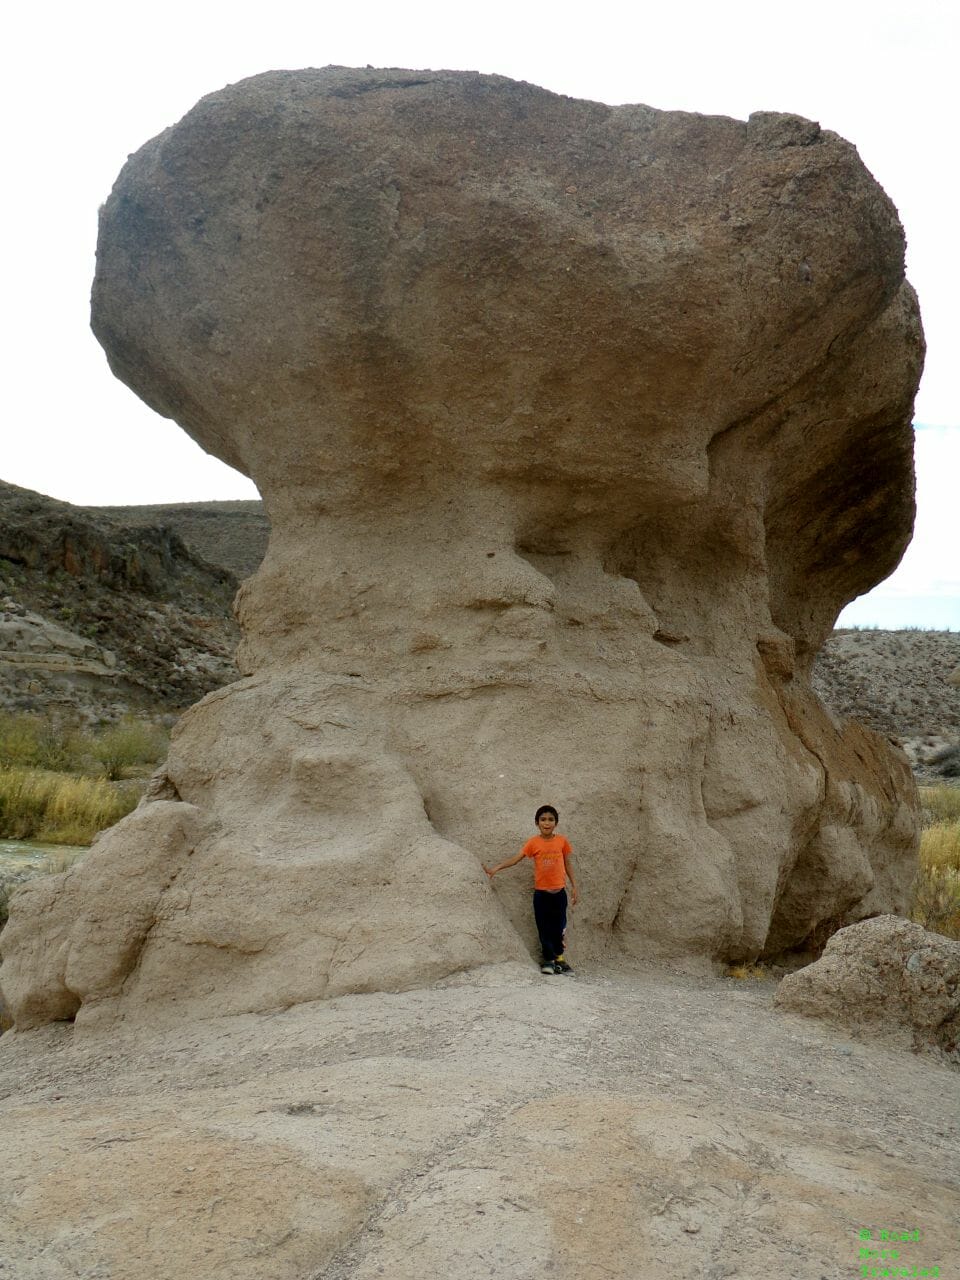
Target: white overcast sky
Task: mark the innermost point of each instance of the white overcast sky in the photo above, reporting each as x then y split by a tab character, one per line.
84	85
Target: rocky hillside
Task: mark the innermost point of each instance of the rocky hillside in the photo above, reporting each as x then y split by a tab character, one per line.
899	683
132	605
231	534
99	617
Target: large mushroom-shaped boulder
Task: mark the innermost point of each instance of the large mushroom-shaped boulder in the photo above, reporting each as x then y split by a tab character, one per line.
576	426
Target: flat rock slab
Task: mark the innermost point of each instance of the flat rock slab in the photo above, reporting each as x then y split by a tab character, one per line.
497	1124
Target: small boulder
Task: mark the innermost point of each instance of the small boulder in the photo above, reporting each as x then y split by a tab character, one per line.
884	975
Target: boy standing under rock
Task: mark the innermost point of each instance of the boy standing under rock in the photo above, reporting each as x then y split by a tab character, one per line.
552	868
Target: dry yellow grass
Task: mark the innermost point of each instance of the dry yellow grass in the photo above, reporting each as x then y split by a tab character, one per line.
936	903
58	809
744	972
940	847
940	804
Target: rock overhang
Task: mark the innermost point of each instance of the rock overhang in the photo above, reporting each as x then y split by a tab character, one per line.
577	425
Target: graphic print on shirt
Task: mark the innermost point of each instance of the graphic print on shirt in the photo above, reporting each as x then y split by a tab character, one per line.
549	871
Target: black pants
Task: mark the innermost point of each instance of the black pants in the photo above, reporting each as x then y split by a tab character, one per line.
550	913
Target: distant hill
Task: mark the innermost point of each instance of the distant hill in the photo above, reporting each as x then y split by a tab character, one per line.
232	534
894	681
898	682
100	616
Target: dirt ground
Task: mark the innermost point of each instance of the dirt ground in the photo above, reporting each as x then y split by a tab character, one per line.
616	1123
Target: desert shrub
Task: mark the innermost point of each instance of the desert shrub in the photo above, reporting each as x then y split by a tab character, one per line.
60	750
128	744
18	740
936	902
39	742
58	809
36	742
946	761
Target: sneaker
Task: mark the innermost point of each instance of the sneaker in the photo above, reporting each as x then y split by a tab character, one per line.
548	968
561	966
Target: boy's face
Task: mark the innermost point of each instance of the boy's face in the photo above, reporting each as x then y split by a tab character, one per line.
547	824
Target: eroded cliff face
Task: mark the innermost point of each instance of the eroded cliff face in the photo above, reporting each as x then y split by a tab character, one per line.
576	426
100	617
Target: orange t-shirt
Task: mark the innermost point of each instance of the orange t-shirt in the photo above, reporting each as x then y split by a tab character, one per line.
548	869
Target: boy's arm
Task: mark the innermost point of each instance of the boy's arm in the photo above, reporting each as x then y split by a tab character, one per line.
502	866
568	867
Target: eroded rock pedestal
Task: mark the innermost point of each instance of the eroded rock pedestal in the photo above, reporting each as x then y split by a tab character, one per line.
576	426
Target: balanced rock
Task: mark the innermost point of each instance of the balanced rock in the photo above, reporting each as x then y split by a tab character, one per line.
576	425
887	976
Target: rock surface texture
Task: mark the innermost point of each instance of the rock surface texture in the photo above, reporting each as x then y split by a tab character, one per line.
575	425
888	976
410	1136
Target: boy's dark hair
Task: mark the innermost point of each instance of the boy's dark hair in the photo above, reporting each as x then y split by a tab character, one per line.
546	808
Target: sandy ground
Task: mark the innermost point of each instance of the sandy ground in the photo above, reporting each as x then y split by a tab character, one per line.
616	1123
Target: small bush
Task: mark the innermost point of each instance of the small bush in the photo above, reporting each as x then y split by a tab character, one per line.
33	742
57	809
946	761
36	742
128	744
23	802
936	903
18	740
